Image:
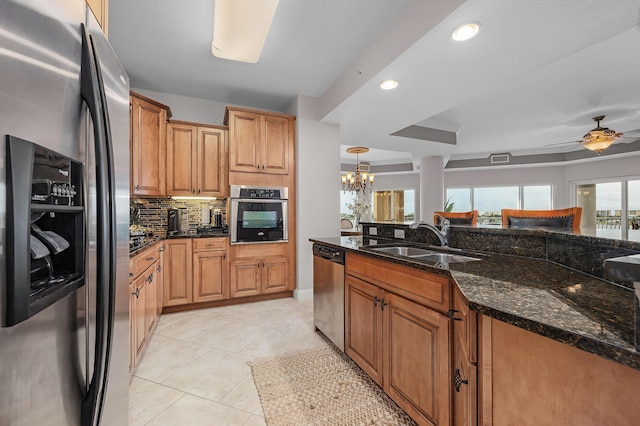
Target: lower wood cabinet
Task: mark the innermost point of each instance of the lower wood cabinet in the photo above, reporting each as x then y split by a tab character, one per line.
210	269
195	270
258	276
403	346
178	272
145	283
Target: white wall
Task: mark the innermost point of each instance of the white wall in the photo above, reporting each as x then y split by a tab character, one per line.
318	167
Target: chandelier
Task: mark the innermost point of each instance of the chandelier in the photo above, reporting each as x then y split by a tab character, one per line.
599	138
362	180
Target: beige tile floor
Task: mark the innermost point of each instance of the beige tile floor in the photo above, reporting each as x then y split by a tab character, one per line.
194	371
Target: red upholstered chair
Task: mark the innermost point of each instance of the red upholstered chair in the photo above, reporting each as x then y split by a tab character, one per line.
559	218
457	218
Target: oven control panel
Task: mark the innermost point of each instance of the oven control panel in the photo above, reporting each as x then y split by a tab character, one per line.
273	193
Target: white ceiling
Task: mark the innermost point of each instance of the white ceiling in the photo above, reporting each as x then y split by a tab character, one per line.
535	75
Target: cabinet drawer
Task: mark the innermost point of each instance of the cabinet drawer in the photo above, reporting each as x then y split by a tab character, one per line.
143	260
202	244
422	287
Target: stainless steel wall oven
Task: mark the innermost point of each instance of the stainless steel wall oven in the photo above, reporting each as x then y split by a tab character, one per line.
258	214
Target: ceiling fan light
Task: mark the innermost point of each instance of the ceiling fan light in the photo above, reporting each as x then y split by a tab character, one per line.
597	143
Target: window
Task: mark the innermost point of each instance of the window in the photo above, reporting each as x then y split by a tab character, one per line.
633	209
536	197
346	197
610	209
394	205
460	198
489	201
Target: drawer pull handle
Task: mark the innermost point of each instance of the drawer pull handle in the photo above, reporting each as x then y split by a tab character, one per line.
149	258
451	313
458	380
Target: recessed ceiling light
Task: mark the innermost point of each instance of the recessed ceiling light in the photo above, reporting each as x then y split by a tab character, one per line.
389	84
465	32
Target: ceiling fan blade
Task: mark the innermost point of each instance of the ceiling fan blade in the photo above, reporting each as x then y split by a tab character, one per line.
562	143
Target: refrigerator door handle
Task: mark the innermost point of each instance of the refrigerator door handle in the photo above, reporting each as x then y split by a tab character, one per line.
91	406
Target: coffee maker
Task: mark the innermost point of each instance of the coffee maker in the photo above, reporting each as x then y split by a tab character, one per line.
217	219
172	221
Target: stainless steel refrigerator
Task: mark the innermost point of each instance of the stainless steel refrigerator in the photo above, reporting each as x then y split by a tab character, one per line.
64	198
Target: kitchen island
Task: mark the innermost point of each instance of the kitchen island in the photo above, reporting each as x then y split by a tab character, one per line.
555	345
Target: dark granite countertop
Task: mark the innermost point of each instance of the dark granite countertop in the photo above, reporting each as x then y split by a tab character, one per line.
149	240
541	296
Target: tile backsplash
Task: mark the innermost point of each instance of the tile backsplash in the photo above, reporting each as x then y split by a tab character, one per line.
152	212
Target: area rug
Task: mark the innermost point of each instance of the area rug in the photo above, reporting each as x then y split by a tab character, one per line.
321	387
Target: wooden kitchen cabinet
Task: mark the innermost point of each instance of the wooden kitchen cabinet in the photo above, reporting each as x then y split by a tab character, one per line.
148	144
178	272
144	282
138	317
259	142
210	269
196	160
363	326
401	340
465	370
250	277
100	9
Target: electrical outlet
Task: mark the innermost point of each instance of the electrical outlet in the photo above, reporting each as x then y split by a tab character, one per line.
373	231
398	233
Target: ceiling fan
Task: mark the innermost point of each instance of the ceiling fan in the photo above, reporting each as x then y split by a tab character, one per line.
598	139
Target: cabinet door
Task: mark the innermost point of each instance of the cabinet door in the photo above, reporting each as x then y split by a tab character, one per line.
151	309
245	277
139	317
465	376
160	279
210	276
148	140
244	142
178	281
416	366
212	170
363	326
275	145
181	159
132	327
274	274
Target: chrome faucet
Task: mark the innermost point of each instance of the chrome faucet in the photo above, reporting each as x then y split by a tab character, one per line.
442	233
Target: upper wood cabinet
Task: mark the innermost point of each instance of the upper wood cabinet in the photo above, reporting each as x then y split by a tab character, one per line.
196	160
100	9
148	144
259	142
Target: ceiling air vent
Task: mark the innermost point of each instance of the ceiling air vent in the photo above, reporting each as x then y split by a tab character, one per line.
499	158
365	167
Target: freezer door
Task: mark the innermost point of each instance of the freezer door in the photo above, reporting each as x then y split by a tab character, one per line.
41	374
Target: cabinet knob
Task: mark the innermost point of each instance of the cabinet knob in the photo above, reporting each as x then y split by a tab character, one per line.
137	293
158	268
382	304
375	301
458	380
137	187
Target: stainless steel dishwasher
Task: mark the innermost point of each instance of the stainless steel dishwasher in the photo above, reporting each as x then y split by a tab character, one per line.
328	292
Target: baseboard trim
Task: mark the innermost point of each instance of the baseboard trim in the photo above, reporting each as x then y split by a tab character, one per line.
300	295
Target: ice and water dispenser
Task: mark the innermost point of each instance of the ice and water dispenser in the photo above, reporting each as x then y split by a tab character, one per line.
45	229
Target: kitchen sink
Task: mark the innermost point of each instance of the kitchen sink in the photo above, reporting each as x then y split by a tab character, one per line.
404	251
444	258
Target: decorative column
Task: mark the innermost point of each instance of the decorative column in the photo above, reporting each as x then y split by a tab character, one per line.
431	187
